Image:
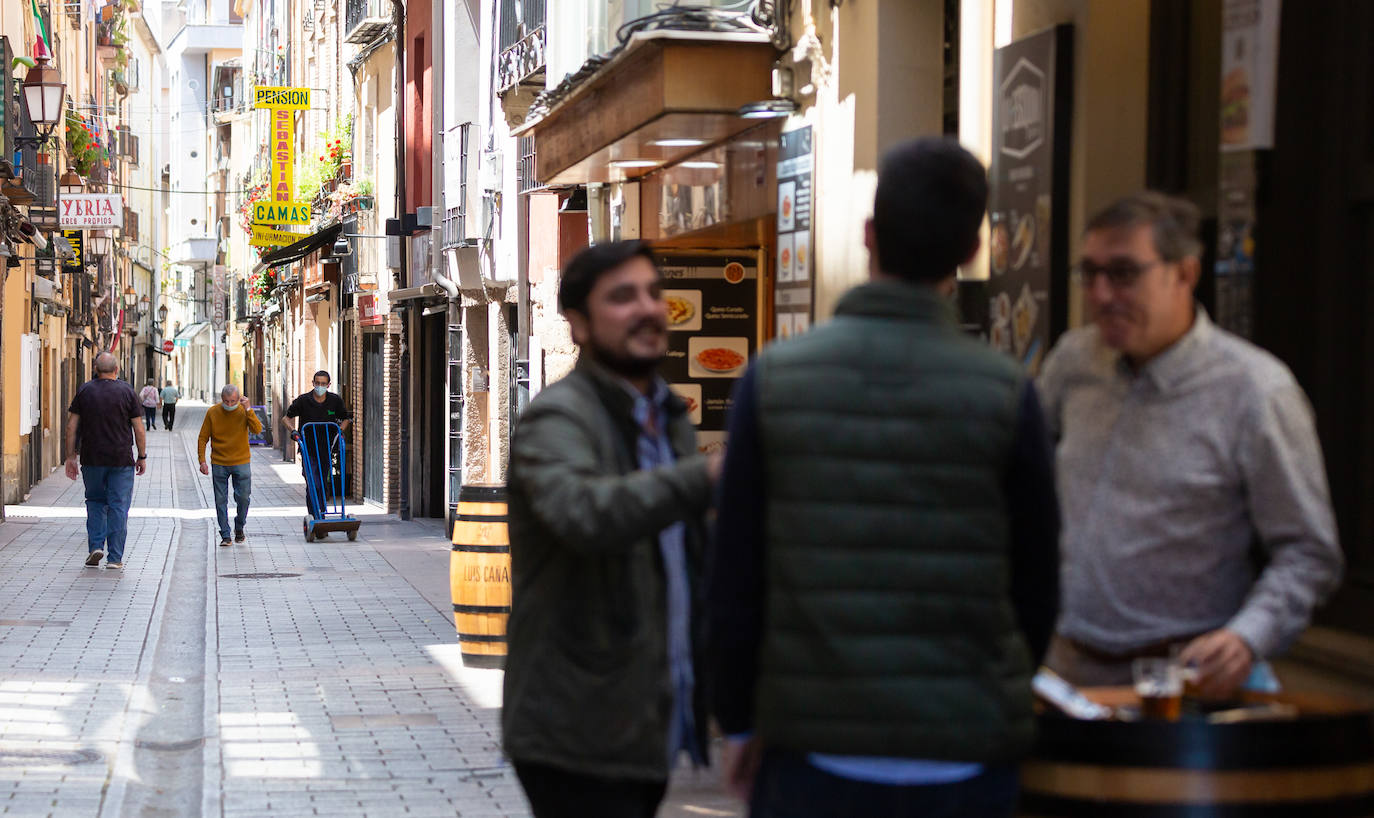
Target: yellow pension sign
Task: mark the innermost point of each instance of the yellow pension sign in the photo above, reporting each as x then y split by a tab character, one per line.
281	213
267	237
270	96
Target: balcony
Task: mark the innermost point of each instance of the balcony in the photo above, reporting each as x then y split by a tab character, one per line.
198	250
130	224
365	20
127	144
523	39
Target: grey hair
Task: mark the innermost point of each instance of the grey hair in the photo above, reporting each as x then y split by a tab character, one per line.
105	363
229	389
1174	222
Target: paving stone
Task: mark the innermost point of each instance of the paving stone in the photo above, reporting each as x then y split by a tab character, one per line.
338	689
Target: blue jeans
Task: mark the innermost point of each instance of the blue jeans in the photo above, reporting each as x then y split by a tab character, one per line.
109	490
242	475
788	786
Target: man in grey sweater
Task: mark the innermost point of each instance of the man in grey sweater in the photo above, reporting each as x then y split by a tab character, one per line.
1196	512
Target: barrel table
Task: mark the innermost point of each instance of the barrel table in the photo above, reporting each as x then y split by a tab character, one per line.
479	575
1318	763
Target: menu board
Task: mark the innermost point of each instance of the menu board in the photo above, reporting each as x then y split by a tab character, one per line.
713	333
792	285
1028	209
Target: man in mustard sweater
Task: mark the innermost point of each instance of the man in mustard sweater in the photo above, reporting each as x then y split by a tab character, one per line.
226	428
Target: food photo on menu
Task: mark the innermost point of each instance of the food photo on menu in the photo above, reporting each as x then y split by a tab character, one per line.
717	357
684	309
690	393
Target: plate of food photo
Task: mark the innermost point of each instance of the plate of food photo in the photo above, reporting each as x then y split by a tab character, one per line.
684	309
717	357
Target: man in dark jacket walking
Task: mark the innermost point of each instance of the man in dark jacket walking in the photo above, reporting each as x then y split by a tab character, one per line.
888	500
607	493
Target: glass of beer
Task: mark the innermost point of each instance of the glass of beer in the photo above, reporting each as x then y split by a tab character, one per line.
1159	684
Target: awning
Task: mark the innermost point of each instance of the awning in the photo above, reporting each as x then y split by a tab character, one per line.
412	293
299	250
661	99
187	333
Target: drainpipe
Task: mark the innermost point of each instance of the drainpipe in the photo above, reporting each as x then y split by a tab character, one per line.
403	358
438	108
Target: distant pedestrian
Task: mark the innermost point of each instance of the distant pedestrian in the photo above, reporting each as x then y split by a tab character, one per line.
104	423
170	396
884	575
607	494
1197	518
149	397
319	405
226	428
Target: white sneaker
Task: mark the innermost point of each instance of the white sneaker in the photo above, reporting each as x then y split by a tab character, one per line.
93	558
114	566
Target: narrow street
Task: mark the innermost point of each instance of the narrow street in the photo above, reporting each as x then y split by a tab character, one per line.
269	678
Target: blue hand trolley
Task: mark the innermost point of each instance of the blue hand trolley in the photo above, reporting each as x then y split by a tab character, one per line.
321	446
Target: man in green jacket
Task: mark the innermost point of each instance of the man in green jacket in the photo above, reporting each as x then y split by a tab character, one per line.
607	493
885	574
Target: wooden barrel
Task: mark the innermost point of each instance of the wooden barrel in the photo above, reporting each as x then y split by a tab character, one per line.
1319	763
479	575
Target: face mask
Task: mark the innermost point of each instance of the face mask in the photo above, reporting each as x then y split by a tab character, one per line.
229	407
320	390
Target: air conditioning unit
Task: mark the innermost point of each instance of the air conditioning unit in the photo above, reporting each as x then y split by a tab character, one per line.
426	216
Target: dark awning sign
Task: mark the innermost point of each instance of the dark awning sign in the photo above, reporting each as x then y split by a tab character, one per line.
295	252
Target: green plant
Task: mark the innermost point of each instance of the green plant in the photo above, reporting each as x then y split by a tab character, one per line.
337	149
82	148
364	187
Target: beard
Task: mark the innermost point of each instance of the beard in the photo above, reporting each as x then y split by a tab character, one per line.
625	364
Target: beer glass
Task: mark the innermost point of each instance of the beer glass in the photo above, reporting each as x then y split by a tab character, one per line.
1159	684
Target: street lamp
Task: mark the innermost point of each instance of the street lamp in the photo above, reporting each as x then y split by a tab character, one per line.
143	305
100	243
70	183
43	91
130	298
162	314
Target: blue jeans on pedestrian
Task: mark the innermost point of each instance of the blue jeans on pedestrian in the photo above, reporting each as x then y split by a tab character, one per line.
109	490
788	786
242	475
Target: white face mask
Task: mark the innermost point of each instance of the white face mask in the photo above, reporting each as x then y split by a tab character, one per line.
320	390
229	407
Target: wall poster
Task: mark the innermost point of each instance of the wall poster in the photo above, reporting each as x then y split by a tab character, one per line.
713	317
792	285
1027	287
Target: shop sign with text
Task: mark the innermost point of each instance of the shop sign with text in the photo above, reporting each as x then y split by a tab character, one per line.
268	96
267	237
281	213
92	210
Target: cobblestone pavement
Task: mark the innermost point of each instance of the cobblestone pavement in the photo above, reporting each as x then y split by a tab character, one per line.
274	677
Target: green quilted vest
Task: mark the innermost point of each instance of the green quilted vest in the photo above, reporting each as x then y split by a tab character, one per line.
889	628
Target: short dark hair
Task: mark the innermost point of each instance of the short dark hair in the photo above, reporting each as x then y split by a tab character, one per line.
1174	221
323	374
930	202
580	274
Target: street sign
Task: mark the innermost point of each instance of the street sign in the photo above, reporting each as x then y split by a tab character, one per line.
267	237
168	346
183	342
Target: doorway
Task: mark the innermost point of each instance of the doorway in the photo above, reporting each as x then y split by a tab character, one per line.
374	378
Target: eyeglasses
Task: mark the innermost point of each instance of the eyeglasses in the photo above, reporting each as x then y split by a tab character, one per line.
1119	273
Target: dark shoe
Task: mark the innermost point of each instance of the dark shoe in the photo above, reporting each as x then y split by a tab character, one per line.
224	541
239	536
93	558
